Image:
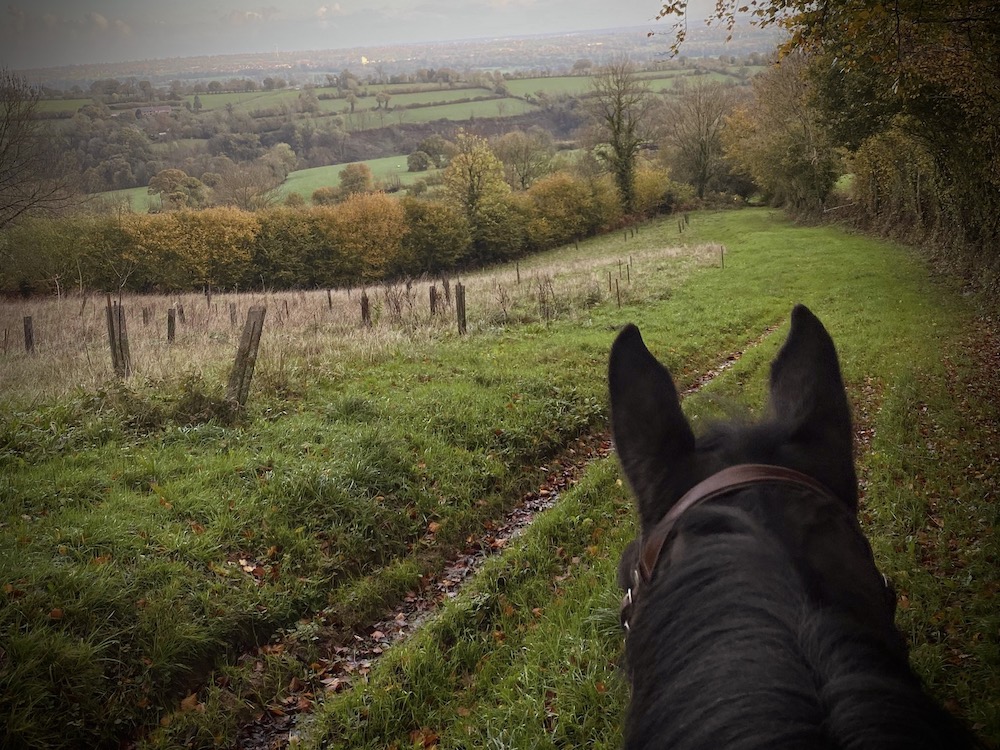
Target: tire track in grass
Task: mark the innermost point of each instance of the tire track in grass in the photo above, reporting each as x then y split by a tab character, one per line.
274	727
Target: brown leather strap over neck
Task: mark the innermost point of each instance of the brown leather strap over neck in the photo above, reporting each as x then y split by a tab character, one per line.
722	483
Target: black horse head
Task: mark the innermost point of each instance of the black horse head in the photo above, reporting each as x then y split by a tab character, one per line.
757	618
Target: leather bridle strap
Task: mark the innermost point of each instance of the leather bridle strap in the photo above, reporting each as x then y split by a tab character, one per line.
728	480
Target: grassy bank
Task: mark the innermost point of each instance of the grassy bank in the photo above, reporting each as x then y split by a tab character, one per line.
149	539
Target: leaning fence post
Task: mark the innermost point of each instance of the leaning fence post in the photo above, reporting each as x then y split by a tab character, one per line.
29	335
366	313
460	307
171	325
246	357
118	339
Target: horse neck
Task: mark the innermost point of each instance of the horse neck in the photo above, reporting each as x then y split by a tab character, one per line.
727	650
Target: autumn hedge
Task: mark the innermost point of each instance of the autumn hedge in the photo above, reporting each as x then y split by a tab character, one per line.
366	238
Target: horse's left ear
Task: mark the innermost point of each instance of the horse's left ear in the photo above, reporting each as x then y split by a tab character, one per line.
808	399
652	436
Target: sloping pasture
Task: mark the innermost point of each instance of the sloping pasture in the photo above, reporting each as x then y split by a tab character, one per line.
528	654
149	536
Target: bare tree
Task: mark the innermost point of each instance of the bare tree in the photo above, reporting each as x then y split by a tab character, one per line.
250	187
34	176
692	133
620	105
525	156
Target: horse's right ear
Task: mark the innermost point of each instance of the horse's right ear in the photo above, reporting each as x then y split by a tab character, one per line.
651	434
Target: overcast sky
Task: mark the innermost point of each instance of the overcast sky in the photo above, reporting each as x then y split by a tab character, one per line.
43	33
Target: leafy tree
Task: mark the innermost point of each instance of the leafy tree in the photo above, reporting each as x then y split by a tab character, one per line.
438	148
474	182
780	140
356	178
35	176
620	104
563	210
656	193
177	189
437	237
419	161
923	73
238	146
475	177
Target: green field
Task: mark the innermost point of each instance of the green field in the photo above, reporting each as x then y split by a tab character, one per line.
138	198
62	105
554	86
171	572
305	181
302	181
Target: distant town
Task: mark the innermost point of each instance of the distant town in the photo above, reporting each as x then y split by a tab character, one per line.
539	55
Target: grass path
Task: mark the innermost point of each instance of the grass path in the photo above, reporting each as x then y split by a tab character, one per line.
527	657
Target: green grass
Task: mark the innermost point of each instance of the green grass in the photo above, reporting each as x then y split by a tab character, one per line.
554	86
141	547
552	680
302	181
138	198
366	119
245	101
306	181
48	106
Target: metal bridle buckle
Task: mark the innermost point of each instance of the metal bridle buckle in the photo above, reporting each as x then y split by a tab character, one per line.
628	601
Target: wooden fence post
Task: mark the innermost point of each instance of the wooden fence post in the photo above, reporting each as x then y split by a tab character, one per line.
366	312
618	292
180	314
146	315
246	357
232	314
433	292
447	291
118	339
29	335
329	299
460	307
171	325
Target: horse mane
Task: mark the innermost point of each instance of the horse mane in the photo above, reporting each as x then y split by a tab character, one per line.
728	651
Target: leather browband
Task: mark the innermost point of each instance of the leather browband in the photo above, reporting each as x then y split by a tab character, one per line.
721	483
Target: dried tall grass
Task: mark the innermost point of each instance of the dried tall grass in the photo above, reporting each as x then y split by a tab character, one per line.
309	329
